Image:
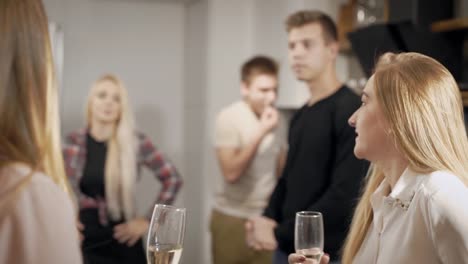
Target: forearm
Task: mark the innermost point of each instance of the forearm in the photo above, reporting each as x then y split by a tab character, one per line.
234	166
171	182
166	196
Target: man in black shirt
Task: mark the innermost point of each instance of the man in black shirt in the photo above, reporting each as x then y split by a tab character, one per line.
321	173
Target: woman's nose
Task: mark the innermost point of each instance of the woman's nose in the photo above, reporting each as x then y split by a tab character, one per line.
352	120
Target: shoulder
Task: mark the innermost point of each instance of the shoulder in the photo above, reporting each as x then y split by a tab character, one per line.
39	189
76	137
143	140
298	113
231	116
73	144
347	101
40	217
36	198
232	110
445	197
443	183
144	144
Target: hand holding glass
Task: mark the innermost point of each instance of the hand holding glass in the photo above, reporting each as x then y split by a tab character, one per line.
166	235
308	235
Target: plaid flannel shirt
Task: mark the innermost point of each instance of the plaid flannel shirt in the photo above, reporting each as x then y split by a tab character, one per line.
74	153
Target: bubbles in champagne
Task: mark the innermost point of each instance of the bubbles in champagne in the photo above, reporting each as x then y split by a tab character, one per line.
164	254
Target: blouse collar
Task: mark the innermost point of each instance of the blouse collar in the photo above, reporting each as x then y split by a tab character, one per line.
402	193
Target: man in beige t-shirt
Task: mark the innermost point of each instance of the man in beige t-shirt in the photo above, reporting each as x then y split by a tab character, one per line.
250	144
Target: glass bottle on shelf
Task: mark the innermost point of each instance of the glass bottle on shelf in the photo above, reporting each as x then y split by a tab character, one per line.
369	12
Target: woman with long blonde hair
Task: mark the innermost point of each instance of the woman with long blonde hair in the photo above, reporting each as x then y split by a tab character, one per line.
102	162
36	213
414	208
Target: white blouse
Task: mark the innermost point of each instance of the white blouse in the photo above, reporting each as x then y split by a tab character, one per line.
423	220
40	226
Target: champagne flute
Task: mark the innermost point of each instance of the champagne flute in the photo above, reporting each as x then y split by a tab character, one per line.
308	235
166	235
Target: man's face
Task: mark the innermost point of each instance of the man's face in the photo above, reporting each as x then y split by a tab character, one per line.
309	54
260	92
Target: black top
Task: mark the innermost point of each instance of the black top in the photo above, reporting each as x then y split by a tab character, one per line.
92	181
321	173
99	245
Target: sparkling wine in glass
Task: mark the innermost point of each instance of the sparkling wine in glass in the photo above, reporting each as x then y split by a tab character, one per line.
166	235
308	235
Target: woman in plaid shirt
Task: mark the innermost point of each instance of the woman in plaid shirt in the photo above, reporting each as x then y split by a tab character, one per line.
103	162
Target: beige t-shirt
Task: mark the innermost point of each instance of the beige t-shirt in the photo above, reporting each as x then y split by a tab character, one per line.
40	226
235	126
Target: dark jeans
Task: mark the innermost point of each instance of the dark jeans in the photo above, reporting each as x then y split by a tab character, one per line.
280	257
100	247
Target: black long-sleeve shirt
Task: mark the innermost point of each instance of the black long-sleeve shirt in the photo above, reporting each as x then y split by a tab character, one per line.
321	173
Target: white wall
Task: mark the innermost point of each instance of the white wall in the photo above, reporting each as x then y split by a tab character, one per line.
229	43
141	42
195	130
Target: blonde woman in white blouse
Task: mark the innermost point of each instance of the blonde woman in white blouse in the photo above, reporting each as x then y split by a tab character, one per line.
37	221
414	208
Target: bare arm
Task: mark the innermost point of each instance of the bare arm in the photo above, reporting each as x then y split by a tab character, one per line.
234	161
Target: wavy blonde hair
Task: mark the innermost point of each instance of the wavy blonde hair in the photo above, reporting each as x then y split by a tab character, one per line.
29	127
422	102
120	167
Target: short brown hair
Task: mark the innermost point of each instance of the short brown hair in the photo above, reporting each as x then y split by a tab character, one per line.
304	17
258	65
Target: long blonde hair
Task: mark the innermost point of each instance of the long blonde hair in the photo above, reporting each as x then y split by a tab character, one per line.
421	100
120	167
29	127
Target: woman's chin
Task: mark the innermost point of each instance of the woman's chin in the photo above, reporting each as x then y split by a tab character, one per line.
358	153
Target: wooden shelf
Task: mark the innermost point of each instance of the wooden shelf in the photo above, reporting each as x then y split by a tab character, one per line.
345	47
449	25
346	24
464	94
